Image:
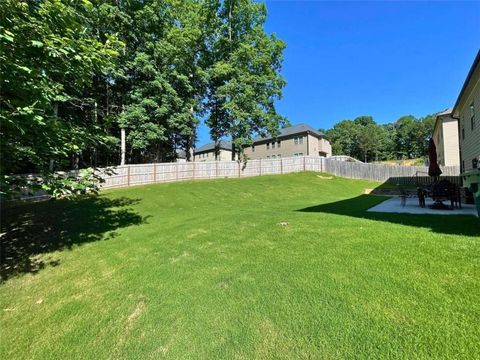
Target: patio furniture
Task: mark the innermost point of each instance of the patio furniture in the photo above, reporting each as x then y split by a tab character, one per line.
404	195
421	193
444	190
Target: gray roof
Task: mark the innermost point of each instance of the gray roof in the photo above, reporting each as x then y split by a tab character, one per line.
292	130
227	145
445	112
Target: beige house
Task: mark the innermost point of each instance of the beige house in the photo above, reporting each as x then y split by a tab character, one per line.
298	140
445	136
207	152
467	111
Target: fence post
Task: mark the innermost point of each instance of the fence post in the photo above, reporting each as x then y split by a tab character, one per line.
321	164
260	167
281	165
128	175
216	169
238	168
176	171
154	173
193	162
304	164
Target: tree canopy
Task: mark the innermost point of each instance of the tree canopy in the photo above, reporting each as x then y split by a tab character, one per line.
75	74
364	139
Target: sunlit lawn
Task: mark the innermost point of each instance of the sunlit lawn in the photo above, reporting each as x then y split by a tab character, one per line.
269	267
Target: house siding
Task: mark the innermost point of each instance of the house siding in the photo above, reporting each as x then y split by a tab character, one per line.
287	148
470	144
324	146
224	155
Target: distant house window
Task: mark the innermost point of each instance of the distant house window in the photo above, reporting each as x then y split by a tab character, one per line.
274	157
273	145
298	154
279	156
298	140
279	144
268	146
268	157
472	116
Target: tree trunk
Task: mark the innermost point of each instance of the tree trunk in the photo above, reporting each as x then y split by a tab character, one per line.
191	141
123	148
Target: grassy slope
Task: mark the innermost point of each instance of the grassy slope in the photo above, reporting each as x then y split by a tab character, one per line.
203	270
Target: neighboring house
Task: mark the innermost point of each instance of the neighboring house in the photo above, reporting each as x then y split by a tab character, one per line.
207	152
445	136
467	110
298	140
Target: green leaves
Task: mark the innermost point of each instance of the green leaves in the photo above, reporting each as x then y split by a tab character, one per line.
6	35
77	71
362	138
245	75
37	43
50	55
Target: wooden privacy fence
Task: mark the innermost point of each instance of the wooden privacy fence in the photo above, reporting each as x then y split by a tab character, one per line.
128	175
404	175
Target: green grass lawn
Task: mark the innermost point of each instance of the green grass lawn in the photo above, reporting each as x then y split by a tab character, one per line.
205	270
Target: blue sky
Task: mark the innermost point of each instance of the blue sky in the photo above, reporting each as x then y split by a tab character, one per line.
385	59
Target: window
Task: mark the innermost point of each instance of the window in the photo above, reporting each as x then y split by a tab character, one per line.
273	145
472	116
268	146
298	154
268	157
298	140
279	156
279	144
274	157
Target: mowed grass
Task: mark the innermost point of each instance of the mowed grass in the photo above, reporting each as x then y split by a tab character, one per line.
206	270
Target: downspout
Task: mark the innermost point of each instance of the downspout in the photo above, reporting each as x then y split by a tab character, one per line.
308	147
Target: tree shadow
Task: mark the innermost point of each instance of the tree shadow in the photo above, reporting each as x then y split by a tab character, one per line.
34	229
357	207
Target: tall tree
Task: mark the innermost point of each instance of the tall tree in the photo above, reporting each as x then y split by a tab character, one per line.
245	75
48	59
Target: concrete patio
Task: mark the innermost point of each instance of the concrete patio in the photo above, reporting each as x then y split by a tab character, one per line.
394	205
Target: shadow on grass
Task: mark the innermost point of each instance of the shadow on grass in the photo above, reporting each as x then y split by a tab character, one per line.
358	206
28	230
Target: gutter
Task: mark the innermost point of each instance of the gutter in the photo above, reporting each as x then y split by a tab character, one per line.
465	84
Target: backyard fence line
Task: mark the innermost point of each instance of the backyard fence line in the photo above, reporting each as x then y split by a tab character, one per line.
140	174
